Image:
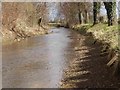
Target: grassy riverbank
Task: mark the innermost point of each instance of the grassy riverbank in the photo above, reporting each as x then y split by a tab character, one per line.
97	46
108	36
102	33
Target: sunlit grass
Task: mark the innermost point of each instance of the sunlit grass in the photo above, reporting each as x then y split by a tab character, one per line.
102	32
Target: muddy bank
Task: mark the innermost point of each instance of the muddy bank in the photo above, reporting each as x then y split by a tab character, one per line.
20	32
89	69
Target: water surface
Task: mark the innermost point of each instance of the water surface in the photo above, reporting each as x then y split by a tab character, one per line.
37	62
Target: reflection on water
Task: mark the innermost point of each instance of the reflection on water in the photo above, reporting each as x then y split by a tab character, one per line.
37	62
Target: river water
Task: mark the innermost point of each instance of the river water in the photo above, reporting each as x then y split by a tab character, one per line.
37	62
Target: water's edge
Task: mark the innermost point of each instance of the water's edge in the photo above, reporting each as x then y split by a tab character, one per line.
37	62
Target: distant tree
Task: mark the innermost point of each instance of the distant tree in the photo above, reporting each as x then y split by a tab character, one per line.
96	12
79	13
41	11
86	10
70	11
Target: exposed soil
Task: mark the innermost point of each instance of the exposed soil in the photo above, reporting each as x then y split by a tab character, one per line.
89	69
18	34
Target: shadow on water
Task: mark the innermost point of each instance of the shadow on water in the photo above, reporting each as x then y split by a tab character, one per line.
37	62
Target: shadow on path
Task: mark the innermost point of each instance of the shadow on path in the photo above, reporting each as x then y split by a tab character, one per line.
89	69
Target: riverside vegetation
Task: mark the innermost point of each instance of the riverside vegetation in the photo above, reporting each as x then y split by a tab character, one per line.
20	20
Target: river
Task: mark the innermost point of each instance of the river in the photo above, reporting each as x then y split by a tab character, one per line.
38	62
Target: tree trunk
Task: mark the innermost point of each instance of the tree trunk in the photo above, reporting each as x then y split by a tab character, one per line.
80	17
86	16
96	12
111	14
79	14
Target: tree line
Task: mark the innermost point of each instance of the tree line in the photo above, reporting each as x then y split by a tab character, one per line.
88	12
73	12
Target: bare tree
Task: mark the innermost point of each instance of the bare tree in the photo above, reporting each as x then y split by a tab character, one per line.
69	10
41	11
77	12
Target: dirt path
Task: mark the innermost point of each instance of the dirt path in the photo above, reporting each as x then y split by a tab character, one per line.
88	69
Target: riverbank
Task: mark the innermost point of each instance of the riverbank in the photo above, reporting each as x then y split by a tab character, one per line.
109	37
89	69
21	32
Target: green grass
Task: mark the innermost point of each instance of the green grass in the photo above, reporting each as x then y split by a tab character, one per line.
106	34
102	32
